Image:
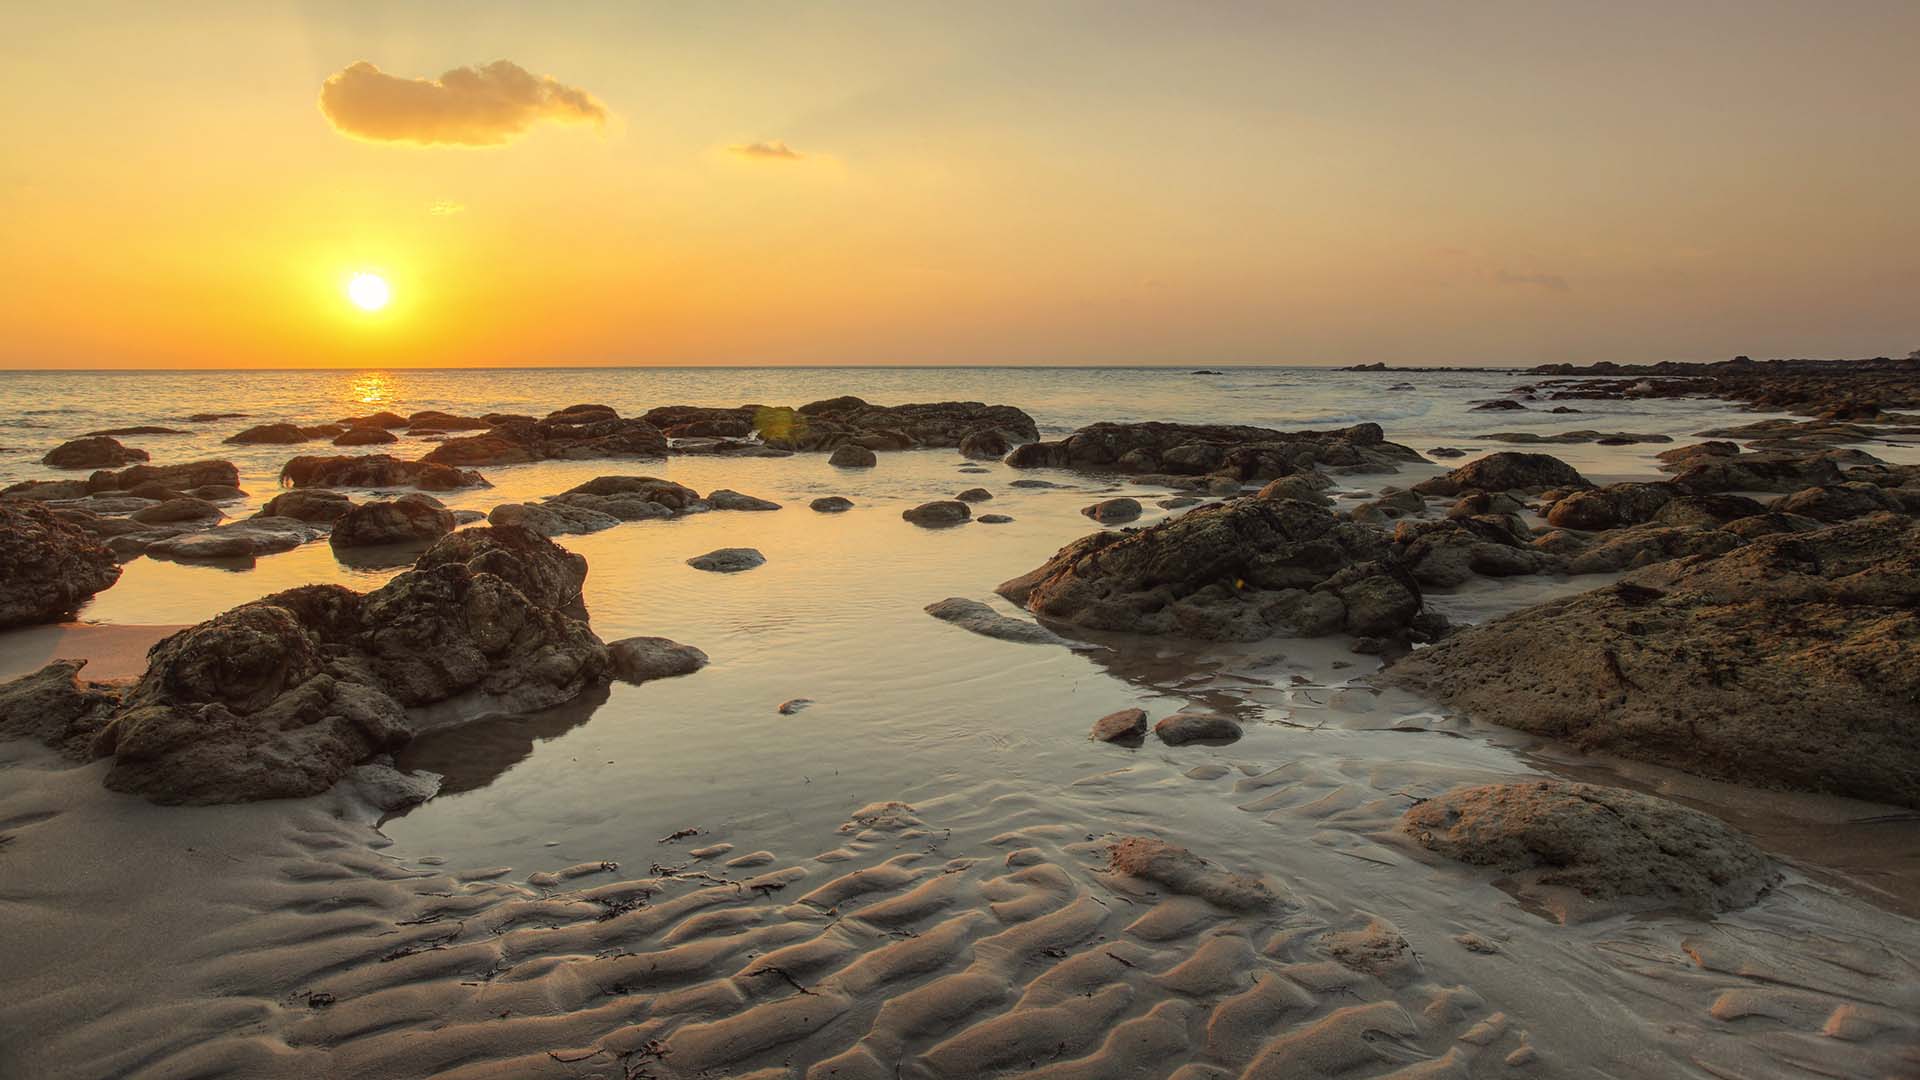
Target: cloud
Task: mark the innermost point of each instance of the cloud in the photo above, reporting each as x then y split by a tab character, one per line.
770	150
1553	282
468	106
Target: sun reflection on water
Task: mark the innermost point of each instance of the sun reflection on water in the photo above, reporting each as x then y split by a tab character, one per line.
372	388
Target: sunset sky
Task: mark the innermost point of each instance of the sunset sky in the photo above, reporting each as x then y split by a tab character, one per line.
958	183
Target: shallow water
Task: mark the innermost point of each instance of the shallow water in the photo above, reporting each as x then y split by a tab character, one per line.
986	736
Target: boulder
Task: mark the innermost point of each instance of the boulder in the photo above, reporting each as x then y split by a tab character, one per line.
1837	502
381	420
1240	570
92	452
576	433
1305	487
1237	452
1705	511
1113	511
973	495
1450	552
185	477
632	498
319	506
410	519
831	504
1606	843
639	659
724	499
283	696
1125	726
994	519
850	456
282	434
1180	871
377	471
986	444
57	708
728	560
1499	405
364	436
247	539
185	509
983	620
938	514
1507	470
1593	509
1787	660
1182	728
551	518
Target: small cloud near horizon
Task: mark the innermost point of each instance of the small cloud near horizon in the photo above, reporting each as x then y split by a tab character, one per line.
1553	282
468	106
768	150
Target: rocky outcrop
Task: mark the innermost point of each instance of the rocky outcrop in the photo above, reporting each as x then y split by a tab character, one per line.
282	696
410	519
57	708
282	434
1608	844
1790	660
551	519
377	471
1842	502
1240	570
92	452
631	498
576	433
1708	471
1507	470
1231	451
1452	551
48	567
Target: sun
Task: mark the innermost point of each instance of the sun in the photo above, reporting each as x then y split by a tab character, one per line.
369	292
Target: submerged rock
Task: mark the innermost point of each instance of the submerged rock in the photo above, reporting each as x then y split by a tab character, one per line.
92	452
244	539
281	434
410	519
1790	660
994	519
981	619
48	566
282	696
1607	843
1240	570
639	659
728	560
938	514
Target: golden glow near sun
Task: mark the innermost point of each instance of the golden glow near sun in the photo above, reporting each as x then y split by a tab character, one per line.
369	292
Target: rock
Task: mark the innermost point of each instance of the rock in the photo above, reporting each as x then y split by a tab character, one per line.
1036	484
283	696
246	539
980	619
55	707
638	659
1182	728
724	499
138	429
316	506
793	705
182	509
1241	570
92	452
1642	545
1113	511
1567	438
364	436
1390	507
1788	660
410	519
217	493
632	498
1179	502
1705	511
1607	843
377	471
387	790
381	420
1837	502
728	560
571	434
1305	487
1483	503
974	495
938	514
281	434
1505	471
1236	452
1610	507
853	457
177	477
434	420
1181	871
1499	405
831	504
1447	452
1127	725
1785	473
986	444
994	519
552	519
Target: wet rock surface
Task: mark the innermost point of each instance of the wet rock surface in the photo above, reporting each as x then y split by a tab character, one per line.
576	433
410	519
1505	471
728	560
1240	570
1787	660
377	471
852	457
48	566
1605	843
1237	452
1182	728
981	619
831	504
639	659
92	452
1125	726
281	697
282	434
938	514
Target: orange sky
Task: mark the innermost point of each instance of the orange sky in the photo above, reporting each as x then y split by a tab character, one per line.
904	183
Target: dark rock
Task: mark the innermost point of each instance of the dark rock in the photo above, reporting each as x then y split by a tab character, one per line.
939	513
176	510
246	539
728	560
981	619
1182	728
375	420
364	436
994	519
632	498
1611	506
573	434
1499	405
316	506
92	452
1788	661
974	495
552	518
138	429
1125	726
1181	871
640	659
48	567
1237	452
853	457
1113	511
1446	452
1505	471
377	471
57	708
986	444
282	434
1838	502
410	519
831	504
723	499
